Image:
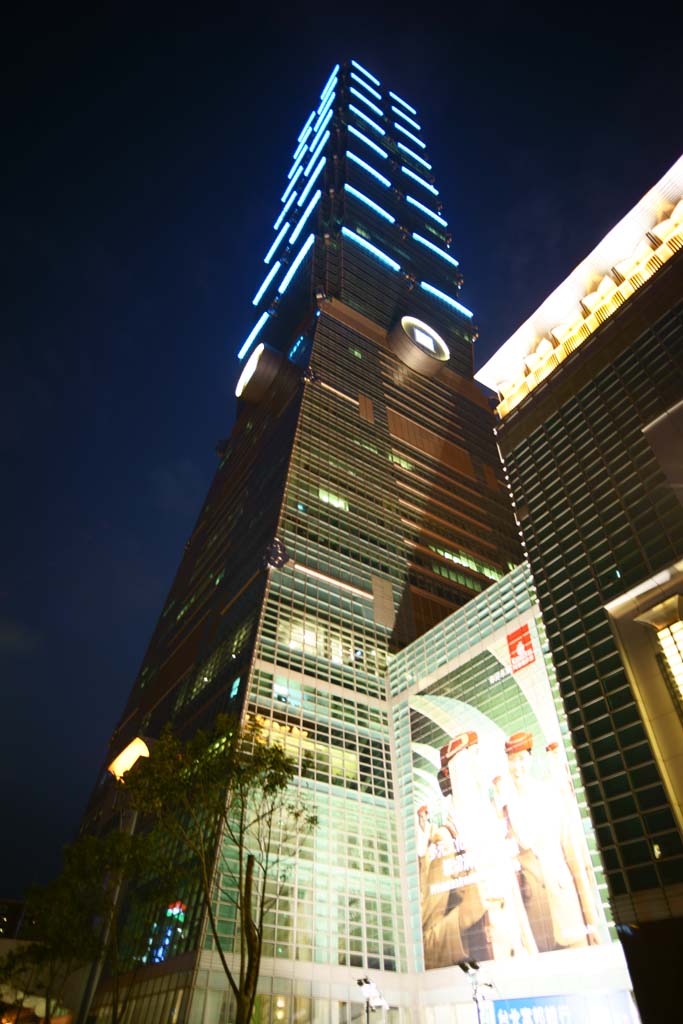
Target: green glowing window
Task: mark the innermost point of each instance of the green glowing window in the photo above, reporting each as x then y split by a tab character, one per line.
333	499
403	463
460	558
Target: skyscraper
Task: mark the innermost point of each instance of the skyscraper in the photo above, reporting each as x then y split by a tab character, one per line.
358	502
591	400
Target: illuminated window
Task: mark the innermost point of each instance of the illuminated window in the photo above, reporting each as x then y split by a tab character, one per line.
333	499
460	558
398	461
671	643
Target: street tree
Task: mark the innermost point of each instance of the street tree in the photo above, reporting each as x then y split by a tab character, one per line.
74	920
225	802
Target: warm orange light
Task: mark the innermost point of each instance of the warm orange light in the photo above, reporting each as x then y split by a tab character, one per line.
124	761
623	261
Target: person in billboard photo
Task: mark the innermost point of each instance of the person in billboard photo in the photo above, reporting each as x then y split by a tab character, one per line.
471	903
503	858
555	878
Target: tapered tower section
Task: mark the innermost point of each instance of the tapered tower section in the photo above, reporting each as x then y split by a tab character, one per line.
357	502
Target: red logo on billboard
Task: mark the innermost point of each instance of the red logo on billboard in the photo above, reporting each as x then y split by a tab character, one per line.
521	648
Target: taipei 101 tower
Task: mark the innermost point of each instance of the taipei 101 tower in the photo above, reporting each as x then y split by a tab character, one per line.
357	502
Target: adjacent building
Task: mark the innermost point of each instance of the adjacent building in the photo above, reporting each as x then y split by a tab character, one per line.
591	433
358	506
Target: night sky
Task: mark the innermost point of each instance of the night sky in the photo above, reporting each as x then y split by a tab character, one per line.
144	156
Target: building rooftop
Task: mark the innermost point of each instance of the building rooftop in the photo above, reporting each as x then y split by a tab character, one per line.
622	261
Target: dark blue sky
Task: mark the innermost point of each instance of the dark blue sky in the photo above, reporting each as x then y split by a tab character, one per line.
145	154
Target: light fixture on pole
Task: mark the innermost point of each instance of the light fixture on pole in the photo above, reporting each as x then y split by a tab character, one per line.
471	969
374	1000
122	763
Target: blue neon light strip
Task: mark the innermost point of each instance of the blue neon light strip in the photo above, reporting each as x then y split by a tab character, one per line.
308	122
368	120
252	336
313	178
327	85
301	146
284	284
321	125
285	228
447	299
369	202
414	156
373	106
403	103
283	212
373	92
418	142
316	153
291	185
297	161
425	209
368	142
369	247
323	112
328	97
420	181
401	113
304	216
360	67
269	277
366	167
439	252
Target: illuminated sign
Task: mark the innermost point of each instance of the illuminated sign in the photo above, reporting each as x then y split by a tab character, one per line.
503	866
521	648
249	370
426	337
593	1008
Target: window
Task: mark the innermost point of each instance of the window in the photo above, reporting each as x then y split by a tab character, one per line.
333	499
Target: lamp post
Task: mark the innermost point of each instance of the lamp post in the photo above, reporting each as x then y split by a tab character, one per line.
121	764
471	969
374	1000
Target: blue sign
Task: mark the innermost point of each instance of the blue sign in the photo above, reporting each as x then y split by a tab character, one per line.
601	1008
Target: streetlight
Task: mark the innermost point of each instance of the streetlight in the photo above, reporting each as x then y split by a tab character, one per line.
122	763
374	1000
471	969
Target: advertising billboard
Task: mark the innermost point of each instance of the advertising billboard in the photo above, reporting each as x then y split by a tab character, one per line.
504	864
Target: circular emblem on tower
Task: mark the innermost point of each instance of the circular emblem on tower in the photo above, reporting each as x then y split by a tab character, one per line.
418	345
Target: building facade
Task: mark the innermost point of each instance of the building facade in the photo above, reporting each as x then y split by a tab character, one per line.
591	406
358	503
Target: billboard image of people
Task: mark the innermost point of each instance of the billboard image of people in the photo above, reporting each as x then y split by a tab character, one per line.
503	858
